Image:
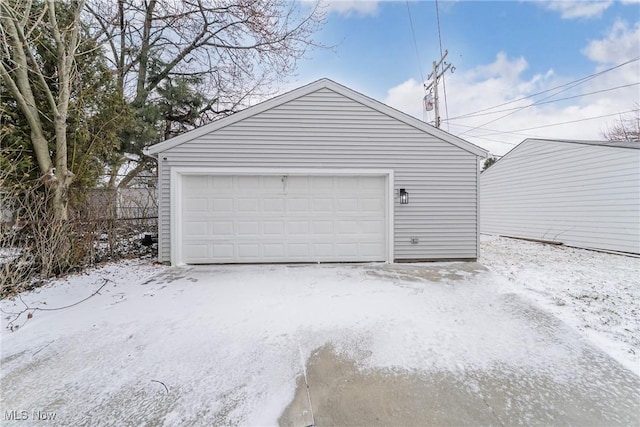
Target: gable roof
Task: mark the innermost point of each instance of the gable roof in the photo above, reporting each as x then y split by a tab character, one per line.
612	144
305	90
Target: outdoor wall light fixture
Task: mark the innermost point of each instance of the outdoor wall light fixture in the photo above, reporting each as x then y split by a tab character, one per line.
404	197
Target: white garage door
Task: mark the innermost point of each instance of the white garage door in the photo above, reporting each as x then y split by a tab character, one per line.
275	218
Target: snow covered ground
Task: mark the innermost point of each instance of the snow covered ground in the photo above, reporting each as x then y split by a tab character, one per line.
596	293
223	344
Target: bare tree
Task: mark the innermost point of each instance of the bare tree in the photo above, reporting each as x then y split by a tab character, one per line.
21	24
230	51
625	128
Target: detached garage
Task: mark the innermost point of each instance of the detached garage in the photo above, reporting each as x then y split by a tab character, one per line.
580	193
319	174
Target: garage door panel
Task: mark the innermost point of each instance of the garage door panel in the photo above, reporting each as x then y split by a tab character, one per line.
272	183
273	205
193	205
223	228
299	250
248	206
283	218
248	228
223	251
347	227
323	227
298	205
197	251
273	228
297	184
371	227
273	250
196	182
347	206
372	205
195	229
298	228
221	206
321	183
322	250
324	205
248	250
371	249
250	183
346	249
368	184
348	182
221	183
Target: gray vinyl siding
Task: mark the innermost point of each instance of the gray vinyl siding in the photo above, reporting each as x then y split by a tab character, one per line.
579	194
325	129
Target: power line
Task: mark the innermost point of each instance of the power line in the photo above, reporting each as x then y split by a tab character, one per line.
545	102
495	140
415	43
561	123
444	85
580	80
525	107
515	132
586	78
496	131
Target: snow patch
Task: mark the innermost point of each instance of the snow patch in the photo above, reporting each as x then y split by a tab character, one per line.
596	293
226	340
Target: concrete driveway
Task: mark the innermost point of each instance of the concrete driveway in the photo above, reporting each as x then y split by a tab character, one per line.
369	344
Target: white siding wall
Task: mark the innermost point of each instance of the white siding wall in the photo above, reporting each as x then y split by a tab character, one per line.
327	130
579	194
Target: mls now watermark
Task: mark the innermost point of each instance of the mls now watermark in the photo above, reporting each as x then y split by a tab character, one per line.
29	415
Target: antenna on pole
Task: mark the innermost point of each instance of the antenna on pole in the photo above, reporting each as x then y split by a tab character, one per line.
433	85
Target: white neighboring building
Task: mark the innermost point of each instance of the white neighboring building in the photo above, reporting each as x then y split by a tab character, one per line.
581	193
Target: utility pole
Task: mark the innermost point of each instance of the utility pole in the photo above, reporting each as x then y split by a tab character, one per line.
434	84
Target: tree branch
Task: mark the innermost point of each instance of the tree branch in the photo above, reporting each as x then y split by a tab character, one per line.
132	174
30	310
141	90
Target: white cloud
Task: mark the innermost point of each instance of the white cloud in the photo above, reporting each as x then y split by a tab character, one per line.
351	7
502	68
407	97
504	81
572	9
621	44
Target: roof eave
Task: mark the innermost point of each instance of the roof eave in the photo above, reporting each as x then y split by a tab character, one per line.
146	151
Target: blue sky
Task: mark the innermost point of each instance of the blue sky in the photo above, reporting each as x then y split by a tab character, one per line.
502	51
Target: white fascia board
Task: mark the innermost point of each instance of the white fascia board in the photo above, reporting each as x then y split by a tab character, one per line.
148	153
310	88
175	218
391	220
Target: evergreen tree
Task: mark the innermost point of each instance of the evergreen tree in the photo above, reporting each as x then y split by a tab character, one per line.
487	163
